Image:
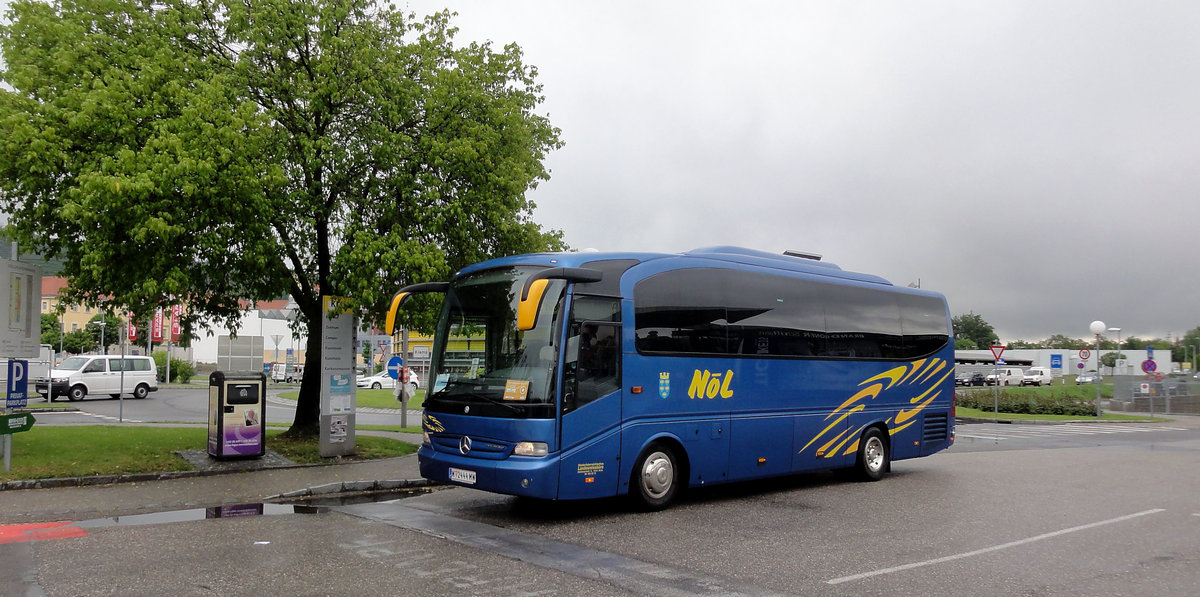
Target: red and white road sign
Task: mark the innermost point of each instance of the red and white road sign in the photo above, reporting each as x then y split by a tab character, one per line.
997	351
1085	354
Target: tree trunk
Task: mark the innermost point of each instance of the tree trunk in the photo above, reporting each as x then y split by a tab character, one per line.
308	405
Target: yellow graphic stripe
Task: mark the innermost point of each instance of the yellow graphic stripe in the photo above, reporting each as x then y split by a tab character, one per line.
918	373
934	370
915	365
832	425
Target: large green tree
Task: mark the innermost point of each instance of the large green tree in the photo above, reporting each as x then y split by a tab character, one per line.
971	326
216	151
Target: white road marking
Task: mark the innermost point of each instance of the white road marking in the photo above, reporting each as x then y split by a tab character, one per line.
977	552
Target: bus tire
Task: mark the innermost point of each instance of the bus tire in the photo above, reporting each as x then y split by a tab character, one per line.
655	477
873	458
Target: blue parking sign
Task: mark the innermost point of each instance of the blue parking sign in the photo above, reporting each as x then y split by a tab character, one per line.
1056	361
17	387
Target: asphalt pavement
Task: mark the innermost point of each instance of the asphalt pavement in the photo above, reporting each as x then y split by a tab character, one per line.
134	494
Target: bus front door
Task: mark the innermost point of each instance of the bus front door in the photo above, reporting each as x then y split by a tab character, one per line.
591	412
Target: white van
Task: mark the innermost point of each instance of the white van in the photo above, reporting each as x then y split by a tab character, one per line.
282	372
76	377
1006	376
1037	376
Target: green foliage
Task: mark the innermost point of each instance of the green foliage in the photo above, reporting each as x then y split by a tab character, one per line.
1016	344
181	371
79	342
52	330
215	151
1066	400
1109	359
1061	341
972	327
109	333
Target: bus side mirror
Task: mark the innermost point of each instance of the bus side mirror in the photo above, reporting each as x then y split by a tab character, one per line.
535	287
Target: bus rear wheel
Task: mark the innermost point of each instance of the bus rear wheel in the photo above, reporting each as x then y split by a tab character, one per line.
873	458
656	478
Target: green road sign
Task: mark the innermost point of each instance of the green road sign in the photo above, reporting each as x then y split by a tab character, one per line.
15	423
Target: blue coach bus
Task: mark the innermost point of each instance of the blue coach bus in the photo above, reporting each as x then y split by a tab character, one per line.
603	374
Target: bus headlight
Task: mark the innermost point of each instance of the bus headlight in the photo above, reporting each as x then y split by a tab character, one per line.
531	449
425	437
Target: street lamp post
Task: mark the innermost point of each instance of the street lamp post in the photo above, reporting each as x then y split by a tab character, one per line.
101	323
1098	328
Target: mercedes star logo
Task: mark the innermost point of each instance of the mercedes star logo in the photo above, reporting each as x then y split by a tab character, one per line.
464	445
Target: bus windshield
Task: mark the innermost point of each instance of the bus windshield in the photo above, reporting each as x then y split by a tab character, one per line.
485	366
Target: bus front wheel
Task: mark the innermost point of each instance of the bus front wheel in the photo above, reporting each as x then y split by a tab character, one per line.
873	458
656	477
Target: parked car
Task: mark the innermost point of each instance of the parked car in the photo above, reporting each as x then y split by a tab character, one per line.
962	379
978	379
383	380
76	377
969	378
1037	376
1088	377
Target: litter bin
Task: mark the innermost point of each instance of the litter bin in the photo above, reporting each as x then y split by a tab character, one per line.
237	406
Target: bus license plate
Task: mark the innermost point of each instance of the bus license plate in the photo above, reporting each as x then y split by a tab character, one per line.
462	476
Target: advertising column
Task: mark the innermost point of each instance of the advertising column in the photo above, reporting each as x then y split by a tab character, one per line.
337	380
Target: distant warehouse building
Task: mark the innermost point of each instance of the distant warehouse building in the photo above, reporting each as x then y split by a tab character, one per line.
1061	361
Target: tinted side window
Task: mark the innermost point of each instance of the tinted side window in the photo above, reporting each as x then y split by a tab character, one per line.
923	320
682	311
773	315
717	311
862	323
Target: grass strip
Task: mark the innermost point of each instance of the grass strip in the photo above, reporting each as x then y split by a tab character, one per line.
84	451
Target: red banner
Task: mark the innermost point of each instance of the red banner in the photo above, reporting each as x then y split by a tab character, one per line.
156	326
132	331
176	314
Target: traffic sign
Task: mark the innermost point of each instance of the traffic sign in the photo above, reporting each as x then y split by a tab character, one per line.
17	388
997	350
393	367
16	423
1149	366
1085	354
1150	352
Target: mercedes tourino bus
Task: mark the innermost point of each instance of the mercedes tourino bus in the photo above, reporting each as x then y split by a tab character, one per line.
584	375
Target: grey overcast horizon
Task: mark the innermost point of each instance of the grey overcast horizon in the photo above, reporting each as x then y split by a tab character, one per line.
1032	161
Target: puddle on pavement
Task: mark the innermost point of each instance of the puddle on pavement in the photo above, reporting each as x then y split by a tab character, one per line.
315	505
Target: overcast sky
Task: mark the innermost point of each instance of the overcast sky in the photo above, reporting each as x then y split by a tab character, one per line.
1033	161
